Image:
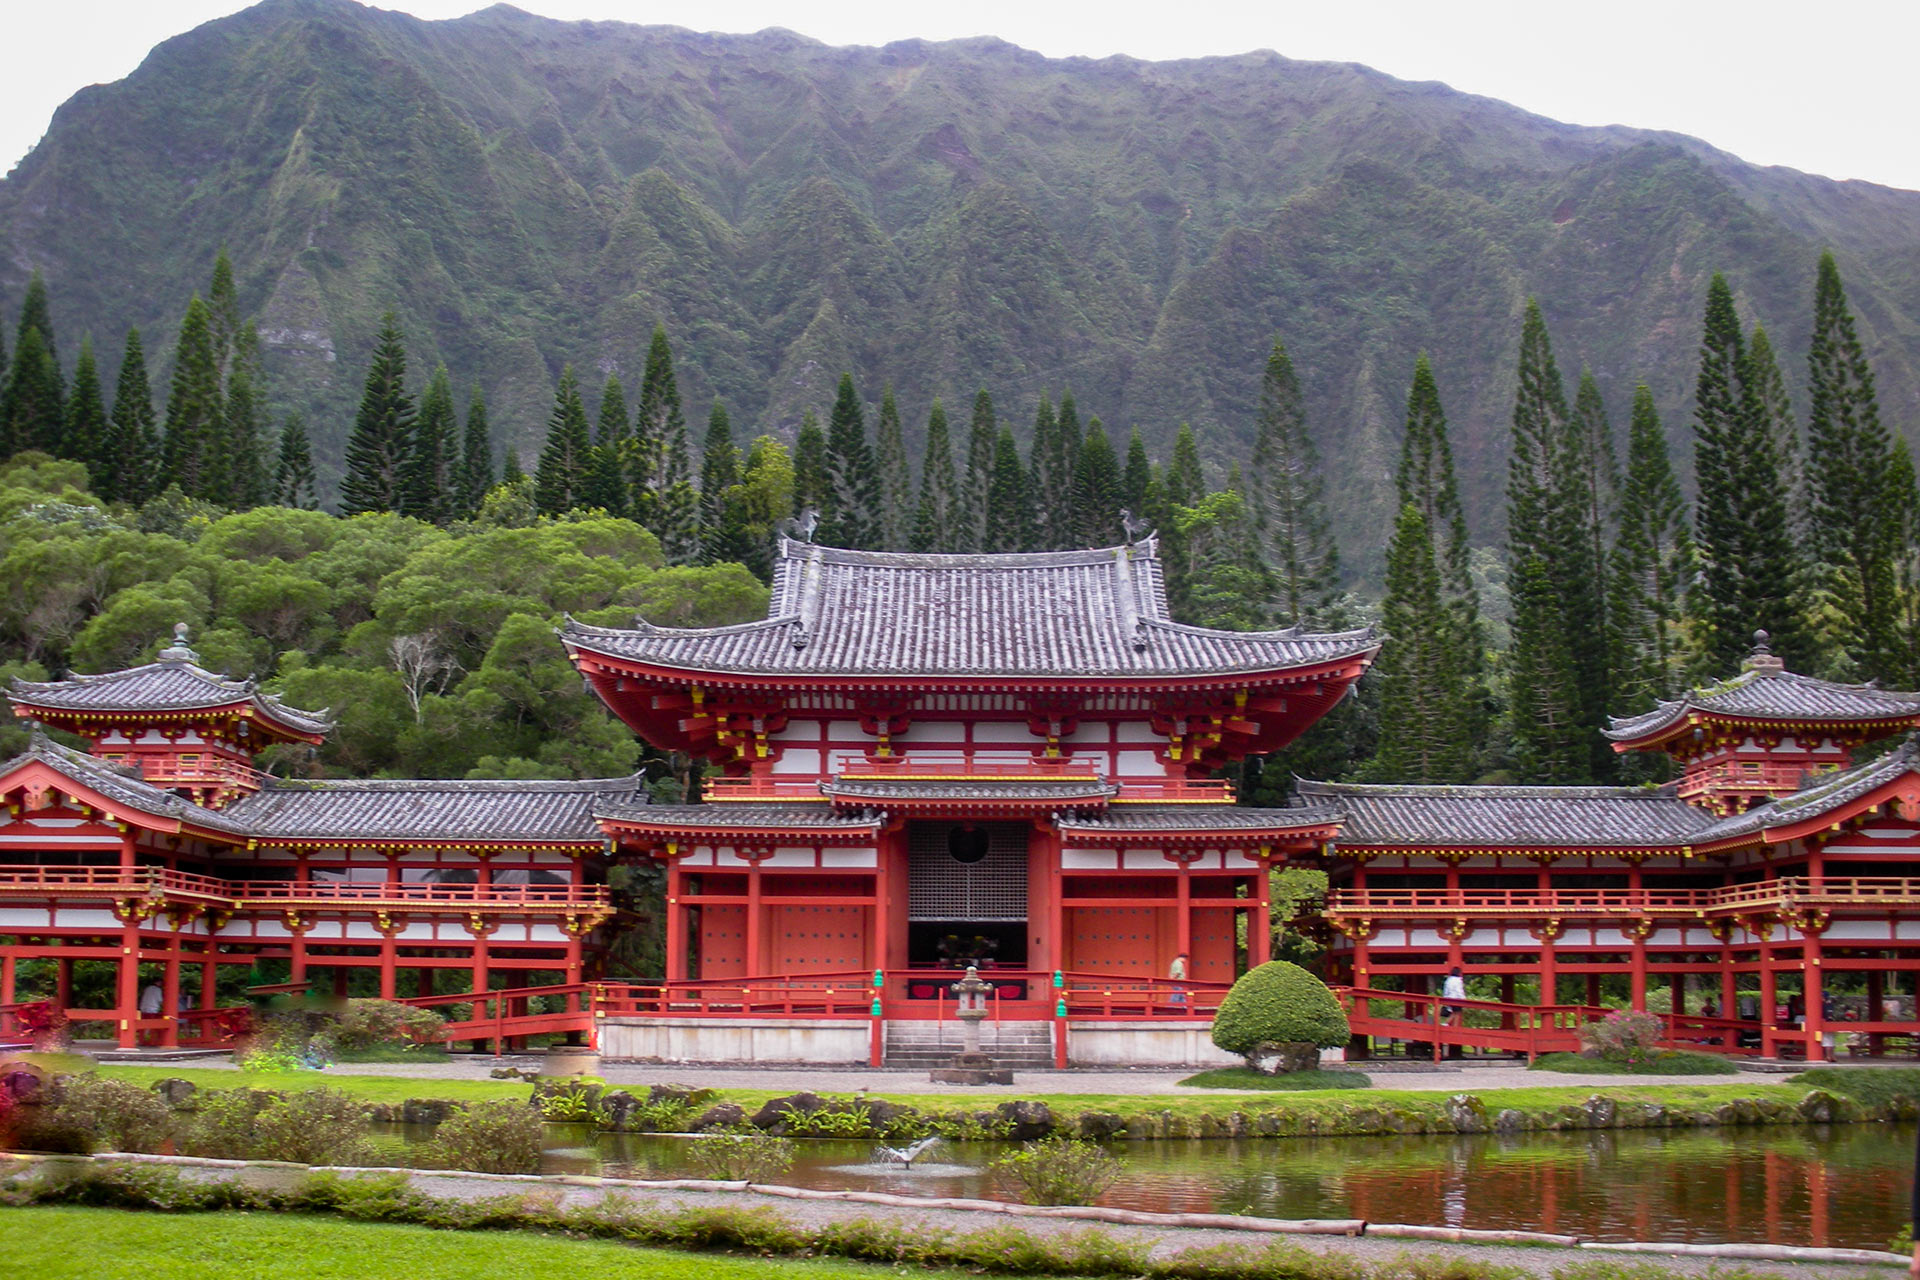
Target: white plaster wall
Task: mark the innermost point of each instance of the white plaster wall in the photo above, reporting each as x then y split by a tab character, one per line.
1154	1044
737	1040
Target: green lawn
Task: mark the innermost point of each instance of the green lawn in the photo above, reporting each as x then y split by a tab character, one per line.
371	1088
87	1244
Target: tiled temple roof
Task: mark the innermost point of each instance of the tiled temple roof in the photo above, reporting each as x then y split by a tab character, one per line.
1056	613
1148	818
1763	694
1055	791
1823	794
1509	817
170	685
120	785
744	817
490	811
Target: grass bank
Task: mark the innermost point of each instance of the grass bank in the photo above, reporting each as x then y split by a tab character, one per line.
390	1090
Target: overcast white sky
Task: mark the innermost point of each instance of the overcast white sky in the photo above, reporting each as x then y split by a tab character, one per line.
1826	86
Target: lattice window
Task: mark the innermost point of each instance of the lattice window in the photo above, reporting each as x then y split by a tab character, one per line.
941	887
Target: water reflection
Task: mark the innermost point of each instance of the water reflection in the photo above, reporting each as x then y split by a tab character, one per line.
1844	1185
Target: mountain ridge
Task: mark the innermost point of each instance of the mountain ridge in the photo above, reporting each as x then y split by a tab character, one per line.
940	215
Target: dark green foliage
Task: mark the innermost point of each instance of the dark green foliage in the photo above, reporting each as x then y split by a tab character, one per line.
896	513
851	515
1423	694
1241	1079
1649	564
32	402
1749	570
192	455
1853	522
36	312
1881	1087
1048	488
1009	501
1286	497
1279	1003
1097	496
560	481
241	481
223	312
82	1114
938	512
1058	1170
491	1137
1214	572
721	523
1186	484
475	474
382	431
293	478
426	472
810	486
1549	737
85	436
976	480
1774	407
1137	479
1668	1063
131	458
606	482
663	496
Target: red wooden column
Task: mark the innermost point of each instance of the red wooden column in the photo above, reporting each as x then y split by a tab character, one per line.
1360	936
303	881
127	989
6	977
389	958
1260	916
1183	911
170	992
1814	1022
1768	1045
209	971
756	964
676	920
1637	957
1546	932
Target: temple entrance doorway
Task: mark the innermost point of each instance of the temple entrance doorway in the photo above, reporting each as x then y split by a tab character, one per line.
967	895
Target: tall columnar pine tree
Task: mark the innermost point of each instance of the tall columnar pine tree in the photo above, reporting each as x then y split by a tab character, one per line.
719	472
1854	518
851	516
1549	493
1650	564
1097	496
606	483
1748	571
1287	502
810	491
937	512
475	474
1591	474
657	423
1906	494
382	430
1549	733
1186	483
33	394
1774	405
1068	437
559	481
977	479
1047	489
194	409
1425	480
426	473
1136	479
223	313
512	474
87	428
895	477
1424	694
131	460
240	479
36	312
294	481
1009	500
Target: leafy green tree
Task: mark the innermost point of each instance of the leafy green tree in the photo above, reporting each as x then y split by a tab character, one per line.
224	325
475	474
1906	496
850	517
1281	1005
1777	422
1136	480
1853	518
719	472
1220	580
1591	476
1549	734
1097	496
559	483
606	482
970	524
1287	500
131	456
33	399
242	480
1749	570
810	485
382	434
294	482
657	426
1068	440
937	512
1650	564
1050	492
36	312
763	498
195	414
1424	696
896	478
1009	503
87	427
426	472
1186	483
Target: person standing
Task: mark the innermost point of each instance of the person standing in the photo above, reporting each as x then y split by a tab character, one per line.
1453	989
1177	972
152	1000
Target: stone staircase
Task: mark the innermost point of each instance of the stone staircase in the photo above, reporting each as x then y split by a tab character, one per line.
916	1045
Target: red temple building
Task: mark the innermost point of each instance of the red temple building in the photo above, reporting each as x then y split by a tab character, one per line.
916	763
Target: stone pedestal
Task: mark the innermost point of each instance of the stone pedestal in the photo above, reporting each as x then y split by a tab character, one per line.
972	1068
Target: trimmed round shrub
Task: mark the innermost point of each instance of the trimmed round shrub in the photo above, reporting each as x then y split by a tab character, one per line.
82	1114
1279	1004
491	1137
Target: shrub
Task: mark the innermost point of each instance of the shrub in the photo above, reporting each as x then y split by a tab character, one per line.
1661	1063
83	1114
574	1101
363	1026
1883	1087
742	1154
222	1124
1058	1171
315	1126
491	1137
1281	1004
1623	1036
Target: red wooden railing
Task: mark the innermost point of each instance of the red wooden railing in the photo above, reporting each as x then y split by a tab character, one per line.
1038	768
1785	892
1745	775
513	1013
162	884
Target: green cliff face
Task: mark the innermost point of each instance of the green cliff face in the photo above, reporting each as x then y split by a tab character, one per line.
525	193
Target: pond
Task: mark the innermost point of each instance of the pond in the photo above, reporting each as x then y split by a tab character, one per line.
1840	1185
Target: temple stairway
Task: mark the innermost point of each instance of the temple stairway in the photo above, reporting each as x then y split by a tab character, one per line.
917	1044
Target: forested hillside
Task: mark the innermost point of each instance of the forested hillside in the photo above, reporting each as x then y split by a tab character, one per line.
526	194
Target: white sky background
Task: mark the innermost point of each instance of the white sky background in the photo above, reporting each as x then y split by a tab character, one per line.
1826	86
